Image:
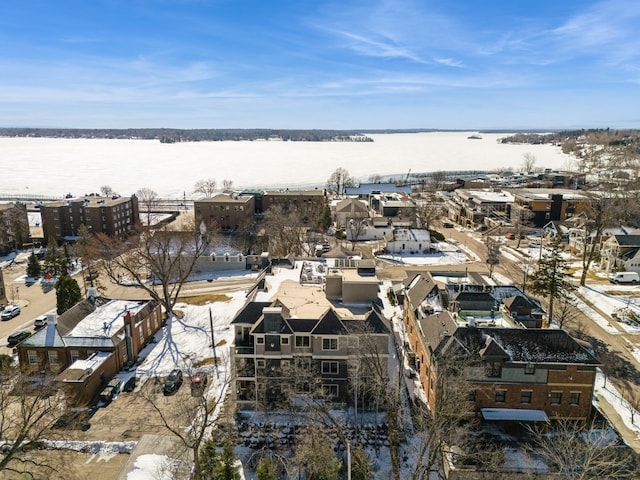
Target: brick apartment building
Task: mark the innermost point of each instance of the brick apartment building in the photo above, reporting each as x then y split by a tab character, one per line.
228	212
511	373
296	200
14	227
114	216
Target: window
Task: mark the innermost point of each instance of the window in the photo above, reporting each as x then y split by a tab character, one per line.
303	341
555	398
32	355
260	363
53	357
471	396
75	355
493	369
574	398
529	369
330	344
285	340
330	367
501	396
330	390
260	340
525	396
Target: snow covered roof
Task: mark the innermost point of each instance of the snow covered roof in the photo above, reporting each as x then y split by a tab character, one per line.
106	320
514	414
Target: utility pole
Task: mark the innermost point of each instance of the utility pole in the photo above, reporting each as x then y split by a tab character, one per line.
213	344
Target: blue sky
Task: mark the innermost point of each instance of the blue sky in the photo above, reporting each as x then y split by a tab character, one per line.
320	64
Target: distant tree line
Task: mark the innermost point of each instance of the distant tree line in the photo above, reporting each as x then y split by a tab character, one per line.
568	139
172	135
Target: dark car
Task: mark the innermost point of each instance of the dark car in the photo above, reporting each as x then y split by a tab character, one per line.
173	382
129	385
16	337
109	392
199	382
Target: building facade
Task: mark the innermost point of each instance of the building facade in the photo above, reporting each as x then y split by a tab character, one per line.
14	227
276	357
113	216
228	212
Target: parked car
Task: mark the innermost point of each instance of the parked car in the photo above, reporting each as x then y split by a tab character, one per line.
510	236
109	392
534	244
92	275
40	322
447	225
199	382
624	277
129	385
16	337
173	382
10	312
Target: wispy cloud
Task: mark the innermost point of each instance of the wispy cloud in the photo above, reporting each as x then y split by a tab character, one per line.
379	48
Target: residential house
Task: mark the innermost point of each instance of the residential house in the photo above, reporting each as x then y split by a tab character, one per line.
14	227
275	354
349	209
523	310
116	329
621	253
409	240
228	212
395	207
114	216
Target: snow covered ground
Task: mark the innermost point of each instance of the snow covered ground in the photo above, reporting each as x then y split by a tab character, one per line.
448	254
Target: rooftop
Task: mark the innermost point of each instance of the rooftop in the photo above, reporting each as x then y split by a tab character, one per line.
106	320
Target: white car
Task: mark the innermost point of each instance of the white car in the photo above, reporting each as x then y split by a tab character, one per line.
10	312
40	322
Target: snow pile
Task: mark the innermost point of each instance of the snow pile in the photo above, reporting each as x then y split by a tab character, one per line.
158	467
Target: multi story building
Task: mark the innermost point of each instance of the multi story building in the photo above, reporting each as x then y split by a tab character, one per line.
113	216
297	200
470	207
276	355
546	204
14	227
228	212
510	373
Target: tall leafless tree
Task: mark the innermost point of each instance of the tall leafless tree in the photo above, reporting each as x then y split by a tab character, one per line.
205	187
339	180
161	259
148	200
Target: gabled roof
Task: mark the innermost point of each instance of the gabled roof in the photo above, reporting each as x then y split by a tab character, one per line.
629	254
518	301
46	337
437	328
492	349
329	324
467	296
250	313
373	323
628	240
418	287
302	325
72	317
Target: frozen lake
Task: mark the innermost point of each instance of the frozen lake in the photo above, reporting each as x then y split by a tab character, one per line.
56	166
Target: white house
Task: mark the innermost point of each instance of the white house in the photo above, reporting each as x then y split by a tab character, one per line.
408	240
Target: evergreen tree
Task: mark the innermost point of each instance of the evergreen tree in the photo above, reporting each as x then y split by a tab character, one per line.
67	293
55	261
226	468
550	279
325	218
266	470
208	459
33	266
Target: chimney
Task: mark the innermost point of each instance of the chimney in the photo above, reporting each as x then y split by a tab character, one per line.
52	319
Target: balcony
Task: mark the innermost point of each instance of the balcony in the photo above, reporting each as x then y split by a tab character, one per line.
244	350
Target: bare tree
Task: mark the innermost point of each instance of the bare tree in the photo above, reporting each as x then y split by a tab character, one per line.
227	185
339	180
356	226
107	191
314	456
428	211
438	180
148	200
162	257
580	451
520	218
25	418
566	312
493	253
528	162
205	187
286	230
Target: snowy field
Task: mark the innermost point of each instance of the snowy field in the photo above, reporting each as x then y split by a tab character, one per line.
448	254
80	166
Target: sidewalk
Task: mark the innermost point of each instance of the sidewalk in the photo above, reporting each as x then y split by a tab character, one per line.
610	412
